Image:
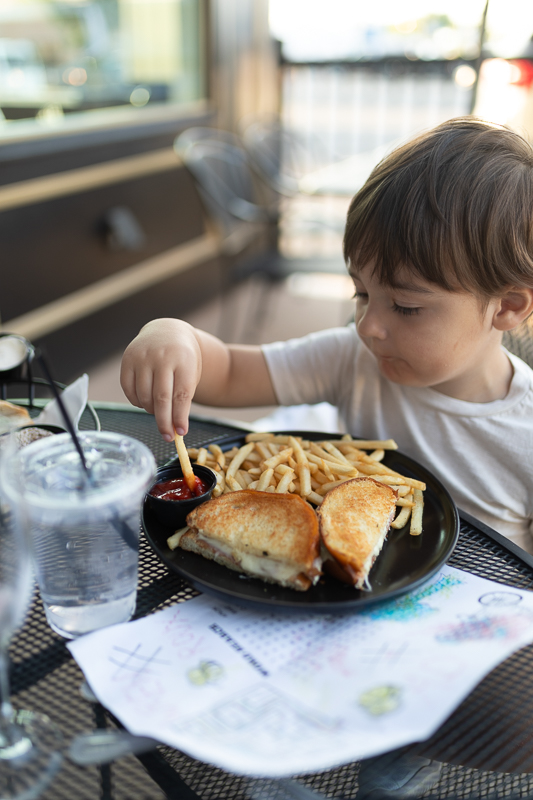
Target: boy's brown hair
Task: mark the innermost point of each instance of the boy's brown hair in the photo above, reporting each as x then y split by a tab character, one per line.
455	205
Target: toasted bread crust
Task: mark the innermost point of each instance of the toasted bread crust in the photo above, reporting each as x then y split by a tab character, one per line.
193	542
271	536
354	520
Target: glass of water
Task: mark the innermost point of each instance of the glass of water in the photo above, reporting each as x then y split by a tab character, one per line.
84	525
30	744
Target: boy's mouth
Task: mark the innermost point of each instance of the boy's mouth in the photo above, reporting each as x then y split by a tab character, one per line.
382	356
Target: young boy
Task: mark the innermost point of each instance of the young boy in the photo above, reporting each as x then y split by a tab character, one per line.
439	243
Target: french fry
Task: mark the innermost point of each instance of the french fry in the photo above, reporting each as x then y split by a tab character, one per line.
417	513
186	467
281	458
202	456
281	469
405	502
377	469
219	455
334	451
220	485
319	451
258	437
327	471
390	480
403	490
232	483
420	485
333	466
373	444
324	489
238	458
254	457
244	478
303	467
401	519
285	482
320	478
264	480
315	498
282	438
263	451
284	463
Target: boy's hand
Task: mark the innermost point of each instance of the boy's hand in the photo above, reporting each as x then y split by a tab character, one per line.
160	371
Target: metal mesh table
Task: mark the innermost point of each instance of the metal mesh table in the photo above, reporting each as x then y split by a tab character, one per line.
484	750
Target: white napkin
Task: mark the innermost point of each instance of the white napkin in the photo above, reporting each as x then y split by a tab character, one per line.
75	399
267	694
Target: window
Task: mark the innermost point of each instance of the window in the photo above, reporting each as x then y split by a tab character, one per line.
59	57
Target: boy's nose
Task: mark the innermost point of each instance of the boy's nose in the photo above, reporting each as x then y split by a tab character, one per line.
369	324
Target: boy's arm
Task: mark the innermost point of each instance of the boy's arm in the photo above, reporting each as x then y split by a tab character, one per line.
170	363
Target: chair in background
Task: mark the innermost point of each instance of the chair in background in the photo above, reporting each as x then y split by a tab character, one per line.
232	194
295	165
235	205
202	133
288	162
221	167
223	177
241	209
280	156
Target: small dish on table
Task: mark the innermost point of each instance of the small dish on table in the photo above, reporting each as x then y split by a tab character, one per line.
175	502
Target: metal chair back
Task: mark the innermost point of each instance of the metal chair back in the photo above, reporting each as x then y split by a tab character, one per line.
224	180
280	156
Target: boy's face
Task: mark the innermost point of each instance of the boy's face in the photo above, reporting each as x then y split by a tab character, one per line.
423	335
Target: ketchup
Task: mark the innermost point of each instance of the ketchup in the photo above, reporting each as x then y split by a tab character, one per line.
177	489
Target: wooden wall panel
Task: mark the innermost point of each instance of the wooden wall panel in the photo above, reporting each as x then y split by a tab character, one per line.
53	248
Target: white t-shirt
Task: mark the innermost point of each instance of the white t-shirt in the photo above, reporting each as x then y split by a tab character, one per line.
481	452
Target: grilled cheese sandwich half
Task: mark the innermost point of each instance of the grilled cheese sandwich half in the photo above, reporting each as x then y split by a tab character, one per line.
265	535
354	520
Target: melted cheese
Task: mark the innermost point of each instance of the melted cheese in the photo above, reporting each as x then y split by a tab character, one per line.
174	541
261	566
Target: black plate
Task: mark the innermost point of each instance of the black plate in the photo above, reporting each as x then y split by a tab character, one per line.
404	563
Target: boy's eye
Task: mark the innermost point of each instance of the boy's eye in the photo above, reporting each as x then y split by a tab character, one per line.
407	310
360	295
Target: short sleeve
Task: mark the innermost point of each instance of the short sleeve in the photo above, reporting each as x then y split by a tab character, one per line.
314	368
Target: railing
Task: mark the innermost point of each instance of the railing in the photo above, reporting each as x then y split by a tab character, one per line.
352	108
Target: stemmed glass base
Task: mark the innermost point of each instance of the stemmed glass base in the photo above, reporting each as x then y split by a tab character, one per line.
30	755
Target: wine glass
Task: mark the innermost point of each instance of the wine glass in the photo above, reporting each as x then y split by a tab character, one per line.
30	744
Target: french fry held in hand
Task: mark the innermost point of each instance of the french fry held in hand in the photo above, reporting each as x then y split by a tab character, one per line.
271	462
183	455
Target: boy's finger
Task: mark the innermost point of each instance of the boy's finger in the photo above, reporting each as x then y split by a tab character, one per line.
144	389
162	403
127	382
172	404
181	406
180	415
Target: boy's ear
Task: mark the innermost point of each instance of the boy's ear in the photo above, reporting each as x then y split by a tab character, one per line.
514	307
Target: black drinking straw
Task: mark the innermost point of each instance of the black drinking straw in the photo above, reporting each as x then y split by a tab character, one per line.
120	525
66	418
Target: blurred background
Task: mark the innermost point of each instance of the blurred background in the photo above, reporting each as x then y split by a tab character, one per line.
196	158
